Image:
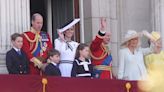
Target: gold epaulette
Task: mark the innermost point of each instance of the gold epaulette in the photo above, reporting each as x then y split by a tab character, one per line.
36	40
30	40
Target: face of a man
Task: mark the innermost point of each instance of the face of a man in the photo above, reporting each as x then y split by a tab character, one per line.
37	23
106	38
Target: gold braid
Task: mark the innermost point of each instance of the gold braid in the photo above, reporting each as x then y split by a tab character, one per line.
103	55
31	41
36	39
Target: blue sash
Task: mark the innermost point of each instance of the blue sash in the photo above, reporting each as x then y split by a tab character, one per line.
43	40
37	51
106	62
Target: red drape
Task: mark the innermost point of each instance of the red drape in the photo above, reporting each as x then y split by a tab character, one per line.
17	83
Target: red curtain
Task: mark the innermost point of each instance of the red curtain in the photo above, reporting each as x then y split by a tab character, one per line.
17	83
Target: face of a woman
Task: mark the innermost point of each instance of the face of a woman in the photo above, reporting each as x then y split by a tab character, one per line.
133	42
70	32
158	44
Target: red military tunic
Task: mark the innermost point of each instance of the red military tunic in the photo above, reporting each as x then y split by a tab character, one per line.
99	52
36	45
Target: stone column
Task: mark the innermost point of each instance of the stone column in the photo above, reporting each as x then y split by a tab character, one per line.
162	20
158	17
14	17
155	7
114	27
135	15
93	11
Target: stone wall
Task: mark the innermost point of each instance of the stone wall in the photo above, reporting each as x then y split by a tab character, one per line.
121	15
93	11
14	17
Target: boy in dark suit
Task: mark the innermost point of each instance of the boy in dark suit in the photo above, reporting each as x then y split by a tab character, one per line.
16	60
52	68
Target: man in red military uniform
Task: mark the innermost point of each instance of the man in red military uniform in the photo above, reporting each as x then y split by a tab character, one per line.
100	54
36	44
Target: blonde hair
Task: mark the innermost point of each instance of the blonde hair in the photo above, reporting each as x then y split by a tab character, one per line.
125	45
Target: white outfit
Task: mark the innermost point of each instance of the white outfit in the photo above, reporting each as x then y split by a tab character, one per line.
67	56
131	66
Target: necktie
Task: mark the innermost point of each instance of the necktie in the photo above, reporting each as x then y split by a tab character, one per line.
19	52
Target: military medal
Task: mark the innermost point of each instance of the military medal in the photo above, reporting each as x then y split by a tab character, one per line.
44	46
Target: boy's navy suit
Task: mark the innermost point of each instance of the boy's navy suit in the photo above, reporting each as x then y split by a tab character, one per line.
17	62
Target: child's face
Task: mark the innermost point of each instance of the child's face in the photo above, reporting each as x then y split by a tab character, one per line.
18	43
85	52
55	58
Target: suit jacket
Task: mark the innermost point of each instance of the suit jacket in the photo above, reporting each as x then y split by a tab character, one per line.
17	64
52	70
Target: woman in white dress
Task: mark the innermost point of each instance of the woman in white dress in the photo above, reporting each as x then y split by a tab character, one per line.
131	57
67	48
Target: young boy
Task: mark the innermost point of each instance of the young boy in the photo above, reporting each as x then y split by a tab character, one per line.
16	60
52	68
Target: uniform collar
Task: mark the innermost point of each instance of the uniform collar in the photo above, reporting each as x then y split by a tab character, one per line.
87	61
34	31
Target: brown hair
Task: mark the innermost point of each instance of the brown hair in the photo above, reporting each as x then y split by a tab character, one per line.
14	36
35	15
53	52
80	47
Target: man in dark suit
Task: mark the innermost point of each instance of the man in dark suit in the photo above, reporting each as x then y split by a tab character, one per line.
52	68
16	60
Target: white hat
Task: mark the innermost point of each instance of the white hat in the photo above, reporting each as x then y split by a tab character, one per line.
131	34
75	21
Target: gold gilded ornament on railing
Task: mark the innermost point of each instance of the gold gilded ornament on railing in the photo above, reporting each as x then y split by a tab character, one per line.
44	82
128	86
